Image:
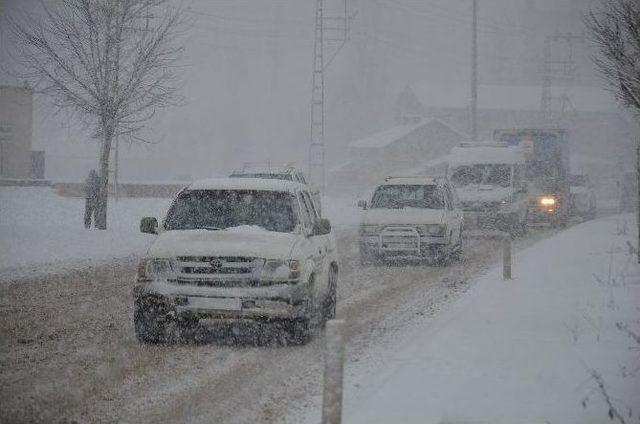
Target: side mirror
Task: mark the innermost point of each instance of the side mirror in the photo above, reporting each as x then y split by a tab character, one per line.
362	204
321	227
149	225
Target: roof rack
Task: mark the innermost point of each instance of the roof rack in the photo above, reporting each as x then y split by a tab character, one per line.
248	165
483	144
433	177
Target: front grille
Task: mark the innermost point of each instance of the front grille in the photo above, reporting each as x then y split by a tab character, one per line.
218	283
219	271
480	206
400	239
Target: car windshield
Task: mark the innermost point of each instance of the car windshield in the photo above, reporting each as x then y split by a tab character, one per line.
489	174
407	196
221	209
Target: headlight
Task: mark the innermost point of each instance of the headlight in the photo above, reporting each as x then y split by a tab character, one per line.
434	230
156	269
277	269
369	229
547	201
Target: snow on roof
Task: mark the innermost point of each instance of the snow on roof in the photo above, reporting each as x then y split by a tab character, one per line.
245	184
489	153
384	138
511	97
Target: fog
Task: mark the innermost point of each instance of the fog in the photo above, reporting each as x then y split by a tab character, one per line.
246	79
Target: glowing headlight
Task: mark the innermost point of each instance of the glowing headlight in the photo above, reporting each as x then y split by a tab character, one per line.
547	201
277	269
156	269
369	229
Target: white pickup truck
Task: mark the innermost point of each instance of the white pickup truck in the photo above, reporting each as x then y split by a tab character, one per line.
411	217
237	250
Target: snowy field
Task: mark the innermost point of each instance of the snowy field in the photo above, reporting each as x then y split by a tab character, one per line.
529	350
42	232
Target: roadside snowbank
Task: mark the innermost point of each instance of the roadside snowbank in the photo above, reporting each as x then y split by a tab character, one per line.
517	351
40	230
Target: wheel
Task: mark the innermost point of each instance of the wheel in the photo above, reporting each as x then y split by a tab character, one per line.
149	321
299	331
329	307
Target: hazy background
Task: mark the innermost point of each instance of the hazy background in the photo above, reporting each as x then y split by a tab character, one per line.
247	79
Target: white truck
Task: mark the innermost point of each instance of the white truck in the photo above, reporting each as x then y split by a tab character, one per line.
411	217
236	251
490	180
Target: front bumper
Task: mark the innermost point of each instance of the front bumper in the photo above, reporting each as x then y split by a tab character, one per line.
276	301
403	242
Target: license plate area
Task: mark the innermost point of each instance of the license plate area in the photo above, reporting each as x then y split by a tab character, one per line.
214	303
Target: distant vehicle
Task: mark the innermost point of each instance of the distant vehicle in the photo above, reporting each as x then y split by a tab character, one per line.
286	172
411	217
490	181
547	158
583	197
628	188
237	250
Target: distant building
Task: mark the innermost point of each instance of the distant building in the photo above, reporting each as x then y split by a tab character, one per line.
16	118
405	146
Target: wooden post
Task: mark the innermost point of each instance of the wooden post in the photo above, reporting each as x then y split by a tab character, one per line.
506	257
333	367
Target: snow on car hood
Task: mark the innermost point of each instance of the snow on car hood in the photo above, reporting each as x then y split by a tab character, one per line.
483	193
403	216
240	241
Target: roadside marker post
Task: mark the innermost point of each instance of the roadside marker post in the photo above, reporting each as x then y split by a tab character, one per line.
506	257
333	370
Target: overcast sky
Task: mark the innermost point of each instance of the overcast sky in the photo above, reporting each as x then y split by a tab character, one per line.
246	78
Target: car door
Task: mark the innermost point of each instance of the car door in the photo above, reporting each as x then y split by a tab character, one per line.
454	220
317	245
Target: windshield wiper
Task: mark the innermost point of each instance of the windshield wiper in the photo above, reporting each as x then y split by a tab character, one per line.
210	228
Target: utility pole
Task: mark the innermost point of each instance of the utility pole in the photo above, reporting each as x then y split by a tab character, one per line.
338	32
316	146
474	73
559	66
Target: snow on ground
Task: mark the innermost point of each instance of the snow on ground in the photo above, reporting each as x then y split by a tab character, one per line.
519	351
40	230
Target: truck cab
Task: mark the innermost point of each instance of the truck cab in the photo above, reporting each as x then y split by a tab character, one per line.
489	179
547	172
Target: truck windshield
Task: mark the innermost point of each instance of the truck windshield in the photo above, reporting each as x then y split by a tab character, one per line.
221	209
407	196
489	174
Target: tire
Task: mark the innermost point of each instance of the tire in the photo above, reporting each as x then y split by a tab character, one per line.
299	331
329	307
149	322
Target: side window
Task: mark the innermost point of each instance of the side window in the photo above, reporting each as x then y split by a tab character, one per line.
448	197
309	203
454	197
304	211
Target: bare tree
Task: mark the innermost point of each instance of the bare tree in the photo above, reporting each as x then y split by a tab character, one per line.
615	30
111	62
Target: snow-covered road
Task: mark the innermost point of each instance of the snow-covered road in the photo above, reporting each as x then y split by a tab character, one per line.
68	349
